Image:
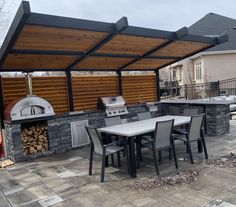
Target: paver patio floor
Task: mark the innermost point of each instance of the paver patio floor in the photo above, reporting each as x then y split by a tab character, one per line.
62	180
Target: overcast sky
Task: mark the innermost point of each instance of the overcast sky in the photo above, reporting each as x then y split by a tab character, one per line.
159	14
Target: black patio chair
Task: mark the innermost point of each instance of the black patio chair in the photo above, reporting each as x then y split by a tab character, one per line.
98	148
145	137
162	140
193	133
111	121
190	112
144	115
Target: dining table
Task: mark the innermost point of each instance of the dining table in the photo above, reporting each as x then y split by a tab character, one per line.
134	129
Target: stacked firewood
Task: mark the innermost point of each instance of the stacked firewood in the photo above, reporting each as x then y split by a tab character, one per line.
34	139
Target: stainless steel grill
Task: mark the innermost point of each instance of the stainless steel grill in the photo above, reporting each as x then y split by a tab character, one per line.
113	106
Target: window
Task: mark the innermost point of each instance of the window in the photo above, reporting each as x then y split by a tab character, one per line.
174	74
198	70
180	73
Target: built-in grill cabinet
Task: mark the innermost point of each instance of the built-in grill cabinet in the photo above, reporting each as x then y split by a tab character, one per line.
113	106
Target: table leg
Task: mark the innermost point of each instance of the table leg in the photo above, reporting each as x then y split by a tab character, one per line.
199	146
132	157
138	150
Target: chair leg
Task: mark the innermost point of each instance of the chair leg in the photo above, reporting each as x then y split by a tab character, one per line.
204	146
175	156
190	152
118	158
112	160
155	159
187	151
170	154
91	160
160	156
103	165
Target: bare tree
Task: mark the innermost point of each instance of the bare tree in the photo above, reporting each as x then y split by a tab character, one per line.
6	11
2	14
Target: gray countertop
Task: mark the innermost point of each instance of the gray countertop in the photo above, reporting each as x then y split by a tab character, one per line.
199	102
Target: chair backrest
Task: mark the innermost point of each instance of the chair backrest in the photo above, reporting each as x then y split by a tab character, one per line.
95	139
113	121
195	127
163	133
144	116
190	112
174	110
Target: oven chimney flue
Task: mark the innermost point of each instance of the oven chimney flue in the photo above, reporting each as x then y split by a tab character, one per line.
28	79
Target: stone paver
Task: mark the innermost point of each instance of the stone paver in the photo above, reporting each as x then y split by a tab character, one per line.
62	180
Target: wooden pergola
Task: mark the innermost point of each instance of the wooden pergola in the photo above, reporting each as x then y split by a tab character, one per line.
39	42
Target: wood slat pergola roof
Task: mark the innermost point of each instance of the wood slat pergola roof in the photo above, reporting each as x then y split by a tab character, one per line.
39	42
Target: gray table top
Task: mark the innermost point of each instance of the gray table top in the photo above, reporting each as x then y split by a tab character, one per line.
142	127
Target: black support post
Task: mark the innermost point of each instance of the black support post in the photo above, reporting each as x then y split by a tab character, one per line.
120	88
158	91
70	91
1	104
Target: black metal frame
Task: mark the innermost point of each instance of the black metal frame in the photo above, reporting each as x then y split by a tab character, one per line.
56	52
1	104
158	91
120	88
70	90
24	16
21	17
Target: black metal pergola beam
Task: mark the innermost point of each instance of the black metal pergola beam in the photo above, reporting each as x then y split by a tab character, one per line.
4	70
45	52
70	23
21	17
120	25
26	70
145	32
203	39
70	90
158	91
179	34
120	85
60	52
1	104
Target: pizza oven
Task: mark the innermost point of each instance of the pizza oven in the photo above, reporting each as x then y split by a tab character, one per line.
28	107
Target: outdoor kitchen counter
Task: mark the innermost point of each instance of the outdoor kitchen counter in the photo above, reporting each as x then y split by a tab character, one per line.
217	113
199	102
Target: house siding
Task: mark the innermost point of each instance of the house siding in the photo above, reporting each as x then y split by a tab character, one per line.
220	67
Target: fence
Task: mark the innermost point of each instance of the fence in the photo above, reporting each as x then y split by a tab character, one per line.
86	90
201	90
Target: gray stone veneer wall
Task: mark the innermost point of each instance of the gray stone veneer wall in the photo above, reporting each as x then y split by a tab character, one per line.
217	119
217	116
59	131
